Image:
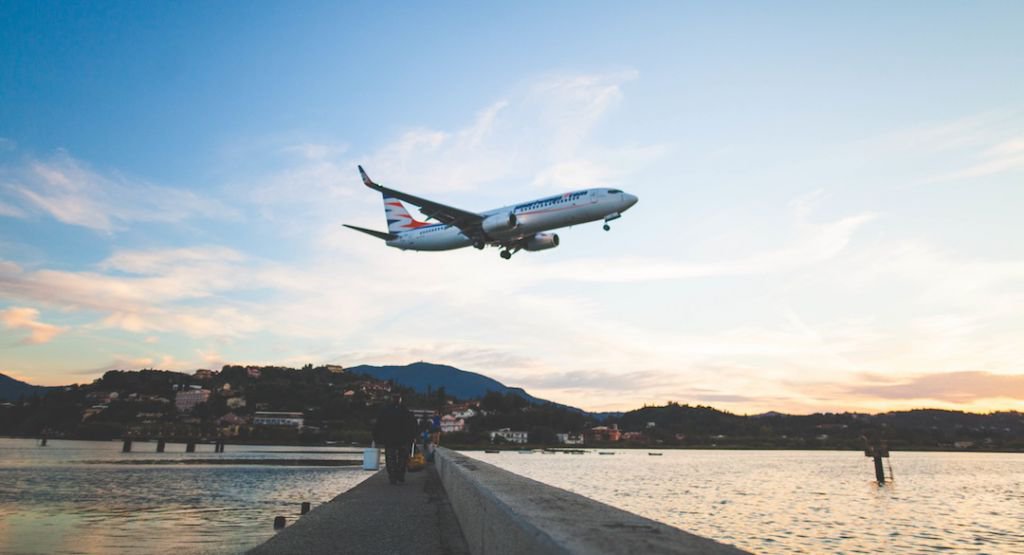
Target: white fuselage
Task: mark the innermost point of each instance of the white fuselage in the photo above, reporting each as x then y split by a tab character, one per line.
531	218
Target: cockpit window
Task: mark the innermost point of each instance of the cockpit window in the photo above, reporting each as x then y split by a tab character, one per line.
613	191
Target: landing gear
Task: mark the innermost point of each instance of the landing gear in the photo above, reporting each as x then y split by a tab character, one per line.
610	217
506	254
479	245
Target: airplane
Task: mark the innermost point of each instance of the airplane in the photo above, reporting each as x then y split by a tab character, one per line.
512	228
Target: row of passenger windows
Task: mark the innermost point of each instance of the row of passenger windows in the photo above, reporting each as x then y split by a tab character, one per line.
548	202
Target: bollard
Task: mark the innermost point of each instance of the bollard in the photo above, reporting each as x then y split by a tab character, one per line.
127	447
160	446
305	507
371	458
190	447
278	522
879	471
877	452
42	442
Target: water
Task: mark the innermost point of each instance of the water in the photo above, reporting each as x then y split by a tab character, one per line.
804	501
78	497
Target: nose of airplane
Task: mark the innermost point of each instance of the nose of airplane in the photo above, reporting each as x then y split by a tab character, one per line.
629	199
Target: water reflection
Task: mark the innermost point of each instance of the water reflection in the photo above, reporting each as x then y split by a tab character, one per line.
50	502
805	502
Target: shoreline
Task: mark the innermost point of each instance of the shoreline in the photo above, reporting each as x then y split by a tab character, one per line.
357	449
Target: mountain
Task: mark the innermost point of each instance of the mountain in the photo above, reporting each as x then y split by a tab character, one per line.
11	389
422	376
461	384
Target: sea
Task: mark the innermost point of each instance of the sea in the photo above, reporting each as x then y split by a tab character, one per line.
803	501
88	497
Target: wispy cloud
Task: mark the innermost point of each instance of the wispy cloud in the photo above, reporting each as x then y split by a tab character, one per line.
953	387
23	318
73	193
816	243
145	291
11	211
1003	157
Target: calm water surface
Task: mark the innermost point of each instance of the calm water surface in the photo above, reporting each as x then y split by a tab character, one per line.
804	501
76	497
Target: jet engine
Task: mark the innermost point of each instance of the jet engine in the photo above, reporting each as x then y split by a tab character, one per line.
498	223
541	241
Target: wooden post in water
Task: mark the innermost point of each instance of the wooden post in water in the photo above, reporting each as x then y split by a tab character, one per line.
127	447
161	444
190	446
42	441
877	451
305	507
278	522
219	446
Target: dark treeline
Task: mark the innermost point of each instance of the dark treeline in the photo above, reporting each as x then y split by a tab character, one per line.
340	406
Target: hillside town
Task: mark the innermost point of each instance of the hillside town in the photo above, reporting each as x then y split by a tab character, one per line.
330	405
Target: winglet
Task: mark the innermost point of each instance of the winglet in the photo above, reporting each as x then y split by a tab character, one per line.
366	179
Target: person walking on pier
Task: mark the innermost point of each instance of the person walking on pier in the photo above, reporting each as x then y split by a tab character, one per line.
396	430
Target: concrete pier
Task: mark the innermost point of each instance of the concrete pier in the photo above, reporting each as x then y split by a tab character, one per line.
502	512
376	517
461	505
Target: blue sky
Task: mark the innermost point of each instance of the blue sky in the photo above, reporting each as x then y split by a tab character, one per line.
829	212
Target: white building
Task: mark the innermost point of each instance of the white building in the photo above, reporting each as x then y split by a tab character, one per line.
509	436
468	413
293	419
187	400
450	424
570	439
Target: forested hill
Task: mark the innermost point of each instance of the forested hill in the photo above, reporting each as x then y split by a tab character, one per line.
923	428
425	377
12	389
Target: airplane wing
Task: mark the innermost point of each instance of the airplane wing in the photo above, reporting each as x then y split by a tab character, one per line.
468	222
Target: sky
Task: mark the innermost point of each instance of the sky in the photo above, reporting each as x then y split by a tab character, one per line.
829	216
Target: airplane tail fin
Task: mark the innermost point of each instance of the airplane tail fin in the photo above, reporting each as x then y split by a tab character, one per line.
399	219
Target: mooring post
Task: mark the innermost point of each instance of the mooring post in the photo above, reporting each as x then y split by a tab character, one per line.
219	446
190	447
127	447
879	470
305	507
877	451
42	441
161	444
278	522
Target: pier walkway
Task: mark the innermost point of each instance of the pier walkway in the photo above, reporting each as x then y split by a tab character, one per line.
463	505
376	517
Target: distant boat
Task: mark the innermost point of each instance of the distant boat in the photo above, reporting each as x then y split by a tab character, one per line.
606	453
655	454
491	451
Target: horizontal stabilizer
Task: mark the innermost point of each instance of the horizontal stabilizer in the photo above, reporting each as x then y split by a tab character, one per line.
377	234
